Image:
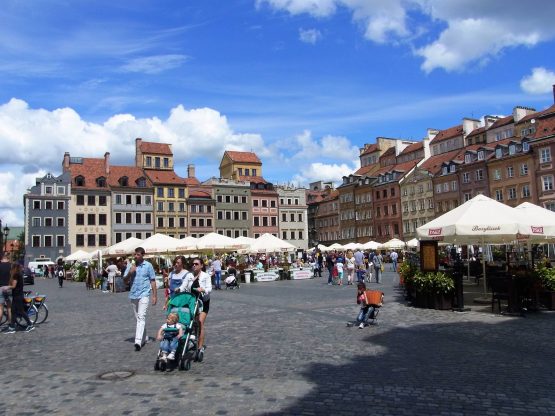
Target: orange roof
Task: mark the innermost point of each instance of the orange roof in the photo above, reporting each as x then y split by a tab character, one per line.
133	173
333	195
170	177
545	127
433	164
254	179
412	148
388	152
156	148
400	167
242	157
90	169
370	149
502	122
537	114
448	133
477	131
367	169
199	194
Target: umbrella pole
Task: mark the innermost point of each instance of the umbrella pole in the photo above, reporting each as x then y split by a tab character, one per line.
484	267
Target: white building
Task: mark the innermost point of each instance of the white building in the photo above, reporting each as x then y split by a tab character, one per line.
293	215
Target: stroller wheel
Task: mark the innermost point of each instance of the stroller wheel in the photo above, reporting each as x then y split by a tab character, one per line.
182	364
187	365
157	365
162	366
200	356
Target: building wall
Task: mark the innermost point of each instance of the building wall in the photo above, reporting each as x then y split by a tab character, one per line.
233	203
170	209
347	216
515	189
544	172
387	211
293	216
364	220
90	235
132	213
327	221
264	212
446	192
417	202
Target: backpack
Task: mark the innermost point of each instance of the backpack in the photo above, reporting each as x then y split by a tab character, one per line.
61	273
376	260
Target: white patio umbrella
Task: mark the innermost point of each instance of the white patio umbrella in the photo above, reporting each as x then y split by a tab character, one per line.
245	240
352	246
267	243
480	219
413	243
79	255
123	247
336	246
215	241
540	220
371	245
187	244
322	247
159	243
393	244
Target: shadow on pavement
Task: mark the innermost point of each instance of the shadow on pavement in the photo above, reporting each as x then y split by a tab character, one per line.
467	368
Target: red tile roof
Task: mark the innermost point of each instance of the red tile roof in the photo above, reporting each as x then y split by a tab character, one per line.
477	131
502	122
537	114
170	177
370	149
412	148
403	168
333	195
433	164
199	194
254	179
242	157
133	173
90	169
448	133
388	152
545	127
156	148
366	169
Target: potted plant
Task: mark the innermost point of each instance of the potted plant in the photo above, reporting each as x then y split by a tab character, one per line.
546	276
406	271
443	288
422	285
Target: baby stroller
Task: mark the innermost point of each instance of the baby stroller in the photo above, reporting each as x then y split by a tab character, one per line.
231	281
187	306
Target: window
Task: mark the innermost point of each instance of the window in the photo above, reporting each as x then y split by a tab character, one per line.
292	217
36	221
60	241
272	204
524	169
264	221
228	215
80	240
466	177
545	155
138	199
166	162
91	240
510	172
384	193
118	199
255	202
453	185
467	197
547	182
171	206
244	199
160	206
511	193
102	240
79	181
101	219
499	194
80	200
444	170
101	182
244	215
48	190
512	149
253	172
292	235
60	222
284	235
48	222
526	191
300	217
264	203
525	146
220	215
467	158
480	155
452	168
80	219
240	171
128	218
160	192
36	204
181	193
91	219
171	222
102	200
496	174
128	199
498	153
273	221
160	222
61	205
479	174
171	193
49	205
257	221
247	172
149	161
182	223
118	217
61	190
148	218
141	183
91	200
438	188
157	162
446	187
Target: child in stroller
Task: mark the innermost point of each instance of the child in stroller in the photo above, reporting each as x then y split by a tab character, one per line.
169	335
231	279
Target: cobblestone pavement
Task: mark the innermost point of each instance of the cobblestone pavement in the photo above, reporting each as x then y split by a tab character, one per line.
281	348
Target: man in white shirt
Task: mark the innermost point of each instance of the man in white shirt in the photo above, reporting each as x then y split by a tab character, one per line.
394	257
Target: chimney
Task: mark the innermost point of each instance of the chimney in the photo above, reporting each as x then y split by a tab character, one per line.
489	120
426	145
431	133
65	163
520	112
138	153
107	162
190	170
469	124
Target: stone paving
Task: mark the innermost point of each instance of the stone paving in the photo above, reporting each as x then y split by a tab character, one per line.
281	348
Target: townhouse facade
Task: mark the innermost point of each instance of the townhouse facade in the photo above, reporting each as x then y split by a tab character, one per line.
292	215
327	219
46	209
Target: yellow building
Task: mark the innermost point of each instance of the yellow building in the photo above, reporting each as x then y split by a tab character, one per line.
240	165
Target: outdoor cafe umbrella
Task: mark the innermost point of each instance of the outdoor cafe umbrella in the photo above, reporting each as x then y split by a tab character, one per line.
540	220
159	243
480	219
186	244
335	246
268	243
123	247
79	255
215	241
393	244
413	243
371	245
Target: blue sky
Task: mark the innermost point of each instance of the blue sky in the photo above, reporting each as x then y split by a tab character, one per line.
304	83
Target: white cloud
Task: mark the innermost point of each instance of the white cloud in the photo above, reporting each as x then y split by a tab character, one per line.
154	64
310	35
326	172
541	81
472	31
13	184
329	147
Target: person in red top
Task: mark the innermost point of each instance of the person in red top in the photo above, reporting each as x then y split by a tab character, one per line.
366	311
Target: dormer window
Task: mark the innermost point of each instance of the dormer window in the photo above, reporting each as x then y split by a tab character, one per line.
444	170
380	179
525	146
512	149
467	158
452	168
80	181
124	181
141	182
498	153
101	182
480	155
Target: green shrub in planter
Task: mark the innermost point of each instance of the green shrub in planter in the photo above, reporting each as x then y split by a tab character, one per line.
546	277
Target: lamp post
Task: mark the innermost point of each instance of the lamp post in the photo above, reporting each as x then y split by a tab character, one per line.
5	232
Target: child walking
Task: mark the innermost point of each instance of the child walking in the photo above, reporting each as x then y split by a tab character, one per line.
169	335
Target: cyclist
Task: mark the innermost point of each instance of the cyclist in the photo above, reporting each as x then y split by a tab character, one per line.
18	308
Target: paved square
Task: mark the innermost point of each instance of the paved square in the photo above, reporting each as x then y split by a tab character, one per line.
281	348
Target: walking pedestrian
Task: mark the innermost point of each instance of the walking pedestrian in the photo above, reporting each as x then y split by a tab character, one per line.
329	266
217	271
359	264
60	272
109	282
18	307
350	263
144	283
394	257
378	263
5	269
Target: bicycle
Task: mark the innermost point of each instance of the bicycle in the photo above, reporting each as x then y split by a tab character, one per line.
39	301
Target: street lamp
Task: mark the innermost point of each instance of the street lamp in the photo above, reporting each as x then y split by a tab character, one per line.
5	232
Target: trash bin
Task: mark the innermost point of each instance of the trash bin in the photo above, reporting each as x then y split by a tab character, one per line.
247	277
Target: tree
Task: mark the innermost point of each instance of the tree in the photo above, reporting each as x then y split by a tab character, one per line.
19	254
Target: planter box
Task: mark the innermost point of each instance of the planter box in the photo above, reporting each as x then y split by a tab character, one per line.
443	302
548	300
423	300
